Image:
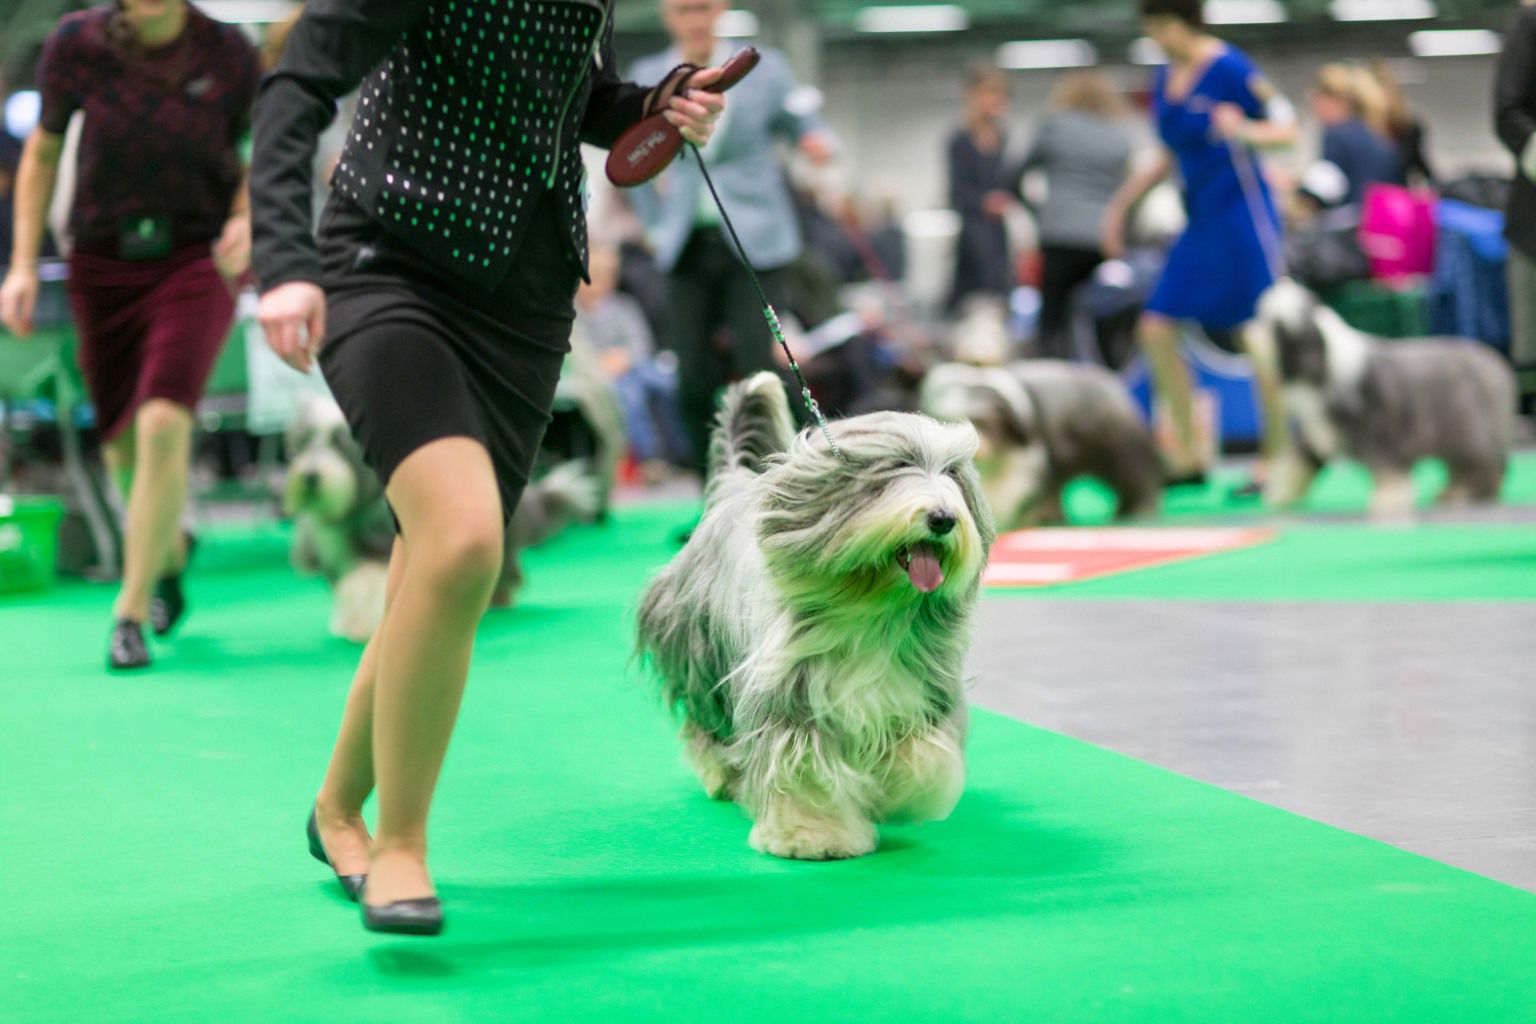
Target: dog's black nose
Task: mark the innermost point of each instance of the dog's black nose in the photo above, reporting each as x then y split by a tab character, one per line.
940	522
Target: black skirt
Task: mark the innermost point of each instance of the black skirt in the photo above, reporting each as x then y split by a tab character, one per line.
414	355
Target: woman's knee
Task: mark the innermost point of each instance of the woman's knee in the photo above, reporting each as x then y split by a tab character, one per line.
463	562
1157	333
162	428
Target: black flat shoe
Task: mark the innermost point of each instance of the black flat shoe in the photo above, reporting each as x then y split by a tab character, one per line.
352	885
405	917
1196	478
168	606
126	650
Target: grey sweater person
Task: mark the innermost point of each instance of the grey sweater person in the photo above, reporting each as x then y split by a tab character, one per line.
1085	158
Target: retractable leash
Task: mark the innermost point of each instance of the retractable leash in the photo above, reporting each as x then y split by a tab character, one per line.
648	147
768	312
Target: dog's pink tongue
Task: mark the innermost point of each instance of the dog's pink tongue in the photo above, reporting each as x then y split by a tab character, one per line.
924	570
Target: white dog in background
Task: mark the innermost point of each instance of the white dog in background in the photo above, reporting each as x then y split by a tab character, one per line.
343	529
1385	403
1043	423
813	628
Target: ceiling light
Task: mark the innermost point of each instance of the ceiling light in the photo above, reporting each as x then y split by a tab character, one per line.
736	23
1244	12
914	18
1382	10
1047	53
1461	42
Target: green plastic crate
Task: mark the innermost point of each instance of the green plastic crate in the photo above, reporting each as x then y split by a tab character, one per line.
29	542
1385	312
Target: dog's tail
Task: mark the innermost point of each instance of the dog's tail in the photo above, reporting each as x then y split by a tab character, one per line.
753	423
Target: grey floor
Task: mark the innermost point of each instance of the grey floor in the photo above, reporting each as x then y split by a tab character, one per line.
1412	724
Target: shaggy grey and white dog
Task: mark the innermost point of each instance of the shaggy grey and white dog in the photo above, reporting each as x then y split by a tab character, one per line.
343	529
1043	423
813	628
1386	404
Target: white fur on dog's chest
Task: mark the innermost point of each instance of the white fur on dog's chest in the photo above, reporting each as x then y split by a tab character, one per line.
867	694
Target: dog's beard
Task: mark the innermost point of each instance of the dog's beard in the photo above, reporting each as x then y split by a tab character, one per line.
322	483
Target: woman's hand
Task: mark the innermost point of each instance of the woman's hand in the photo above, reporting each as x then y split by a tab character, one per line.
1229	122
18	299
694	112
293	315
232	252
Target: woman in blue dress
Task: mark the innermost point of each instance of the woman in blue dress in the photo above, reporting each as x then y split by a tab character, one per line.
1213	109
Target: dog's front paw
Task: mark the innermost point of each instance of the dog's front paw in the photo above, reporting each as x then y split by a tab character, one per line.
813	839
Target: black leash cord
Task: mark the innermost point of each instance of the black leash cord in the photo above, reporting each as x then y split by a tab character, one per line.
768	311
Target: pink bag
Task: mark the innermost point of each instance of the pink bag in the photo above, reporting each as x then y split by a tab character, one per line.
1397	232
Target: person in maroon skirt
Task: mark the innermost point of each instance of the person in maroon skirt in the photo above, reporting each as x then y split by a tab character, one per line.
160	232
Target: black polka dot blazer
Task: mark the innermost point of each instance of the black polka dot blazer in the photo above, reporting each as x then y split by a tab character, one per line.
468	110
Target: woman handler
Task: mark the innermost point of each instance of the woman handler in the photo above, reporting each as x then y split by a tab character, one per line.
439	301
160	231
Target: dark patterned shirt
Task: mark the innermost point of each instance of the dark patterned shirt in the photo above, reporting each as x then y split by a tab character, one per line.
163	127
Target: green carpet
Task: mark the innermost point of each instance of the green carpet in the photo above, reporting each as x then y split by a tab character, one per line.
1341	489
1440	562
154	867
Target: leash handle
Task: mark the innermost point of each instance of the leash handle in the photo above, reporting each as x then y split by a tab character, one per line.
774	327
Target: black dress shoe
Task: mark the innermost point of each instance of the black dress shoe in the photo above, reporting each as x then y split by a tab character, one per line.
405	917
126	649
1196	478
169	604
352	885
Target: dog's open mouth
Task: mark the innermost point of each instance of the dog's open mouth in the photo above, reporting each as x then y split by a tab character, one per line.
920	562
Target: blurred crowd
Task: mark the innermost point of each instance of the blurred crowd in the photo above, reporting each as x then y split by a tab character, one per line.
1102	272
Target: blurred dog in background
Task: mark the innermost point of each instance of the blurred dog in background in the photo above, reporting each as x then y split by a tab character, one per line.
1043	423
342	527
344	530
1387	404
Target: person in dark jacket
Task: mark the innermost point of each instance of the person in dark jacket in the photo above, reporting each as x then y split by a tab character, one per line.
978	190
1514	119
1351	107
441	290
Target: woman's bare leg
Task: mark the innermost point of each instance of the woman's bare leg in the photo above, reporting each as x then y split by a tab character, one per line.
449	507
1271	390
162	444
1159	339
349	776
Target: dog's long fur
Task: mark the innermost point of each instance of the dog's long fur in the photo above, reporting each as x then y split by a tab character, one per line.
819	687
1043	423
1386	404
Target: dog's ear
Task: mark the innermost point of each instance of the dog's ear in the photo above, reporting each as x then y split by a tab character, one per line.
1015	414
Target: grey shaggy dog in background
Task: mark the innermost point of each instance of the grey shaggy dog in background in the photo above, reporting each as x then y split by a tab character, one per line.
1043	423
813	629
1386	404
344	532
